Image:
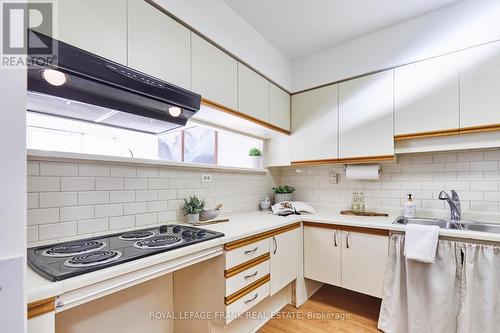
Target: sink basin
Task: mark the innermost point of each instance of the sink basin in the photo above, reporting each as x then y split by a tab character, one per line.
445	224
485	227
448	224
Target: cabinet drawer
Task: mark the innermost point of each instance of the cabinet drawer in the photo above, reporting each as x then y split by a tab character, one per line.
246	277
234	310
247	252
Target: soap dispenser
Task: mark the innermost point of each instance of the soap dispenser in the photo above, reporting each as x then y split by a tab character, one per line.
409	207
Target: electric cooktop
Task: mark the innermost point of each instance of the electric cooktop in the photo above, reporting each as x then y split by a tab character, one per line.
64	260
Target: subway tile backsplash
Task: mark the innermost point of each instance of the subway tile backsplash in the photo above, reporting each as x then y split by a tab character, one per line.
70	199
474	174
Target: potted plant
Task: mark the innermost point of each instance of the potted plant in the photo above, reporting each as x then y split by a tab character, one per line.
283	193
192	208
256	158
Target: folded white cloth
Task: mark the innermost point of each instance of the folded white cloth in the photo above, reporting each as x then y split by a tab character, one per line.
421	242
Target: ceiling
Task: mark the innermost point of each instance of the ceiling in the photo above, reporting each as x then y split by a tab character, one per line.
299	28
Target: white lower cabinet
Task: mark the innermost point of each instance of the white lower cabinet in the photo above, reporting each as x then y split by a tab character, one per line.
322	255
284	259
364	256
349	259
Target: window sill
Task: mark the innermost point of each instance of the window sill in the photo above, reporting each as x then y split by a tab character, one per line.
46	155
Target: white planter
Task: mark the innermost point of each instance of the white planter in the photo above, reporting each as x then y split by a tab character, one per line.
279	197
193	218
256	162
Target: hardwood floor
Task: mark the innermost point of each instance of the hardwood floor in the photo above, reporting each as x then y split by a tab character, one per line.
331	309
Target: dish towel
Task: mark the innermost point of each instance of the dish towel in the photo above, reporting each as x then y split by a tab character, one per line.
421	242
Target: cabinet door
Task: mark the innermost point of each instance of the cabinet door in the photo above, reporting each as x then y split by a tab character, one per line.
363	262
315	124
322	255
278	152
158	45
479	86
214	73
366	116
99	27
426	96
253	93
279	106
284	259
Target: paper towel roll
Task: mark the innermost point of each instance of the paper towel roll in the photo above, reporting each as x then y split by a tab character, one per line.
367	171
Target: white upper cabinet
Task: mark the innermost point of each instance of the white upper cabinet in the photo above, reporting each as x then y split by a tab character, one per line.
315	124
253	94
99	27
426	96
279	105
214	73
158	45
366	116
480	86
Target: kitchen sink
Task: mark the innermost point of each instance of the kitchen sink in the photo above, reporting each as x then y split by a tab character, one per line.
485	227
445	224
448	224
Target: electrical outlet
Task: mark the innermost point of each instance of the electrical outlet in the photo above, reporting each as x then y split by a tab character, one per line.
206	178
333	178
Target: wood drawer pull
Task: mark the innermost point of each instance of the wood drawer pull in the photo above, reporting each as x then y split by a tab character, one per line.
251	275
251	251
252	299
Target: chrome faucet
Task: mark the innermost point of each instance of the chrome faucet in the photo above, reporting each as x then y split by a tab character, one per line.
454	202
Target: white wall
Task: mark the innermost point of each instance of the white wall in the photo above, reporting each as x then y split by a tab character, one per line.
474	174
216	20
12	196
465	24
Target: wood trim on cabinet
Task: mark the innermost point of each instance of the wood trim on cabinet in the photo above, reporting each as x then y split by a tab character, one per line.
225	109
316	162
246	265
478	129
354	160
448	132
41	307
429	134
255	238
367	159
361	230
242	292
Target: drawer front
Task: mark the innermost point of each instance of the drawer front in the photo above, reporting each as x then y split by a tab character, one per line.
234	310
250	275
247	252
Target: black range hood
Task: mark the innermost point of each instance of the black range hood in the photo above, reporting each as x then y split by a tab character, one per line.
102	91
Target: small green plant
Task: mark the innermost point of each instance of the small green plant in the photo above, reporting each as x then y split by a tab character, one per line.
255	152
193	205
283	189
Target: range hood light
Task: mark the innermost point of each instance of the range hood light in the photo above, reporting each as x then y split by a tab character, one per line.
54	77
174	111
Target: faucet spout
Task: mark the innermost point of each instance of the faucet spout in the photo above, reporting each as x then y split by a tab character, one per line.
454	202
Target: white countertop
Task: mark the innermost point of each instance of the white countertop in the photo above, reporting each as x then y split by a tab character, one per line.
239	226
